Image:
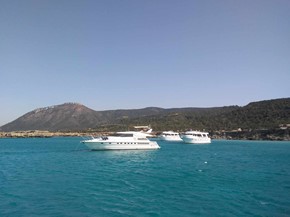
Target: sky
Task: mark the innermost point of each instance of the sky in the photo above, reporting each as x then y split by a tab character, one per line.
130	54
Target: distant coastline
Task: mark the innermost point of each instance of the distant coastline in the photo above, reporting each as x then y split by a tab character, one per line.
279	134
39	134
73	117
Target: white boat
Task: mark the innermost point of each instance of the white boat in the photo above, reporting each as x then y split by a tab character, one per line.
196	137
169	136
129	140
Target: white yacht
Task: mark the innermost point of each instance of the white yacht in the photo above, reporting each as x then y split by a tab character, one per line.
195	137
169	136
129	140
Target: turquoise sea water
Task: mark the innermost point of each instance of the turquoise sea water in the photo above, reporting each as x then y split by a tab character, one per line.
60	177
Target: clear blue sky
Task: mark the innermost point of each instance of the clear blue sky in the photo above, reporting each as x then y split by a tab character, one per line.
121	54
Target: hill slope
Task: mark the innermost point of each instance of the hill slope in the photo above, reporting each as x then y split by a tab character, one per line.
60	117
256	115
74	116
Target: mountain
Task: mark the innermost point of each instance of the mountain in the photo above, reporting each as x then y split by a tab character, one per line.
265	114
74	116
59	117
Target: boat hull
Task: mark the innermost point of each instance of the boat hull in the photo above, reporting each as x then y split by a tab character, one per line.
170	136
170	139
196	137
196	141
95	145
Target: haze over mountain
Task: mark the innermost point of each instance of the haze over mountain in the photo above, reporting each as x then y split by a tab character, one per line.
74	116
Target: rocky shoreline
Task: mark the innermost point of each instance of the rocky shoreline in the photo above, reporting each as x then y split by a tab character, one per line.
262	134
39	134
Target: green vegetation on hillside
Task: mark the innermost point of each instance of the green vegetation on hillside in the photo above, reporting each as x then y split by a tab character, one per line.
257	115
75	117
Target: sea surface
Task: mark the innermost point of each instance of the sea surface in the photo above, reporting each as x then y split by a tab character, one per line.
60	177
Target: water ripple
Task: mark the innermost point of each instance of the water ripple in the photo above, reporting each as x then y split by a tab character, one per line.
48	177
